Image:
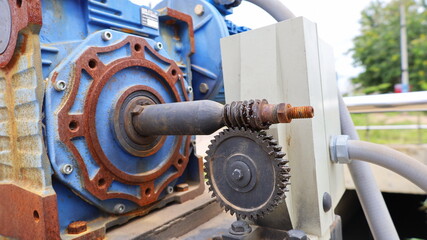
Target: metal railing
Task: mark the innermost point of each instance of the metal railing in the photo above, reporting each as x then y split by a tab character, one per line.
393	102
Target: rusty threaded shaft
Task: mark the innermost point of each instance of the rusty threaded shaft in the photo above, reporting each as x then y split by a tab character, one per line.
205	117
300	112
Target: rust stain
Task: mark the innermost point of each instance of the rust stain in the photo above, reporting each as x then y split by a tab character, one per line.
29	13
27	215
101	74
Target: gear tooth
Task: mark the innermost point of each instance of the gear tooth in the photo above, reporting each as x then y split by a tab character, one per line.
277	148
268	137
280	154
268	145
213	195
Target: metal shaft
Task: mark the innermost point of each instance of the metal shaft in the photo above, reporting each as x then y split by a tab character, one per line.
205	117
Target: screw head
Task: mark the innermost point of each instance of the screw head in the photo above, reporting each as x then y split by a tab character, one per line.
67	169
77	227
60	85
199	9
203	87
106	36
119	208
158	46
189	89
240	228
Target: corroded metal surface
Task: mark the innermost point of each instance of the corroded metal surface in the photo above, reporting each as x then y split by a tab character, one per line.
22	14
27	215
22	157
72	125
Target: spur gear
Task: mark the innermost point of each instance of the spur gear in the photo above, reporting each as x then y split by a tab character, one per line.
246	172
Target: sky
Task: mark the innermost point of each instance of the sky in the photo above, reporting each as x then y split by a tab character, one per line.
337	23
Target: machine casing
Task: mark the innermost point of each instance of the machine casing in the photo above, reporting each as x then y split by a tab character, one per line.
288	62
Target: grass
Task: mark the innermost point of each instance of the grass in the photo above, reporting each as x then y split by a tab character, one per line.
401	136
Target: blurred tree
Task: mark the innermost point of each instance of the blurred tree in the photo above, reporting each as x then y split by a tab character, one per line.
377	48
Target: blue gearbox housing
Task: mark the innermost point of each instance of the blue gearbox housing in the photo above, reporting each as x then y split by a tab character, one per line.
101	59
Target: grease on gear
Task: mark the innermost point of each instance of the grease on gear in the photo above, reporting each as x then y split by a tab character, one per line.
246	172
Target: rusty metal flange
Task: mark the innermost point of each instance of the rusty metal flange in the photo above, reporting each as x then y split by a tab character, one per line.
85	106
15	15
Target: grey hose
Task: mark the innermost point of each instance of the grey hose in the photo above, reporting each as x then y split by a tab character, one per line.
370	197
275	8
386	157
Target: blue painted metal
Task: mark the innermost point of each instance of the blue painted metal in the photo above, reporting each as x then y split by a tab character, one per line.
208	29
69	28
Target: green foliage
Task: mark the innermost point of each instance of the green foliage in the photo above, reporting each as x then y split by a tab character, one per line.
377	48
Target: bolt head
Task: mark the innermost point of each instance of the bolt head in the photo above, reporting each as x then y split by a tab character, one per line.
77	227
203	87
67	169
282	113
119	208
296	235
169	189
158	46
60	85
199	9
189	89
106	36
240	228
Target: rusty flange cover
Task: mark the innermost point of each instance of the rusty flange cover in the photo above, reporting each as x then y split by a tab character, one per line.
93	62
15	15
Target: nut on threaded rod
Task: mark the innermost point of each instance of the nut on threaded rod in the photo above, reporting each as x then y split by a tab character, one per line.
259	114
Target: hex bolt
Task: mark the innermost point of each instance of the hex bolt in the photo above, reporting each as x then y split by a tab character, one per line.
203	87
107	36
169	189
182	187
119	208
285	112
77	227
158	46
189	89
296	235
60	85
240	227
67	169
199	9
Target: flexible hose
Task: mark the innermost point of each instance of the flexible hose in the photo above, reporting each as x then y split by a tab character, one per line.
373	204
275	8
386	157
